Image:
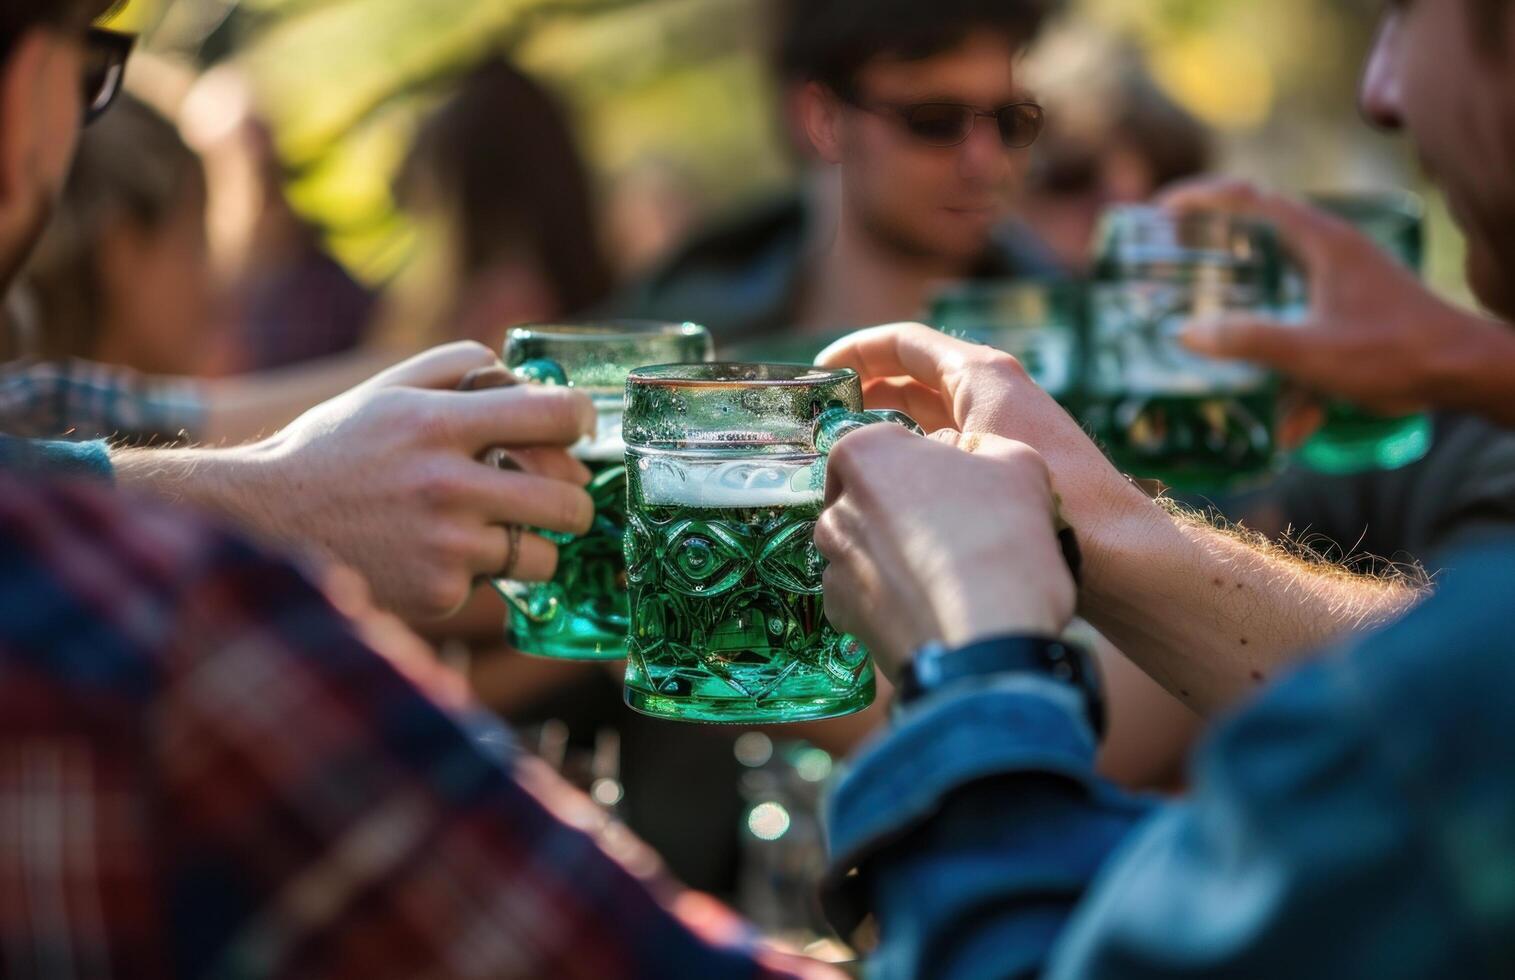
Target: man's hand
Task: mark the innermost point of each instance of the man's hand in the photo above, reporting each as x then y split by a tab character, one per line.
942	539
1207	613
387	479
1374	334
946	383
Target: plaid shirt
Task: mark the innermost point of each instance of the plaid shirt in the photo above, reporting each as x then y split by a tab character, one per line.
85	400
205	771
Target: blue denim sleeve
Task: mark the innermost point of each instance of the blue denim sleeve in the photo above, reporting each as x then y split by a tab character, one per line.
1356	821
972	829
56	459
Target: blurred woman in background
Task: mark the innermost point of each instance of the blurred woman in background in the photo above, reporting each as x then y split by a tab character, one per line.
505	206
123	274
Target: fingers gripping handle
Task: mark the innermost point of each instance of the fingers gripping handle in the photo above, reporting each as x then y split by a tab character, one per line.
834	423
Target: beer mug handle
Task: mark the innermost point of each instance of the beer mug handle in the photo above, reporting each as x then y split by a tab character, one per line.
834	423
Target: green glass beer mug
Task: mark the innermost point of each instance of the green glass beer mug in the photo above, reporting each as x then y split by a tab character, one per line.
1039	323
725	480
1352	439
1193	422
581	614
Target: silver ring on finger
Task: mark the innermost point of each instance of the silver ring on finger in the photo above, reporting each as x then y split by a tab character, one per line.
513	556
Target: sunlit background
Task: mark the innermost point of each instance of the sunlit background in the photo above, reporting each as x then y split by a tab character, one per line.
673	97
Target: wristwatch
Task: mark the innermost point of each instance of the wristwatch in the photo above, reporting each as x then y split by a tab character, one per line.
936	665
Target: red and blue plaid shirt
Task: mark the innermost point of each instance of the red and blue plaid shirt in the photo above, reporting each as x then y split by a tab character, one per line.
85	400
205	771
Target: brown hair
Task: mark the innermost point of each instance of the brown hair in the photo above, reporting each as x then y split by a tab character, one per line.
502	154
830	41
132	166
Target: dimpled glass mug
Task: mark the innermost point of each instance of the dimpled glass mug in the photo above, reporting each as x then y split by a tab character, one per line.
725	480
581	614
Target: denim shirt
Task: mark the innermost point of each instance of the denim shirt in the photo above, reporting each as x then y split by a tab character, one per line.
1356	820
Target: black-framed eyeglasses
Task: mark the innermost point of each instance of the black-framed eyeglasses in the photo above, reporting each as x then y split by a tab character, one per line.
944	124
105	54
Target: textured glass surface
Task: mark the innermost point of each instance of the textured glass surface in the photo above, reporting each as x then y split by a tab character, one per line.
725	483
1161	412
582	613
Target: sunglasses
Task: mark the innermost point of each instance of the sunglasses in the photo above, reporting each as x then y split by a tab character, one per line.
945	124
105	54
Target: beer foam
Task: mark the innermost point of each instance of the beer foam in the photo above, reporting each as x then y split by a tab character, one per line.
679	481
607	445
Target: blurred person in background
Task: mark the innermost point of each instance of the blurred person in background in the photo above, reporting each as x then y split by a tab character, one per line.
654	205
292	302
505	204
887	212
1113	137
122	275
118	310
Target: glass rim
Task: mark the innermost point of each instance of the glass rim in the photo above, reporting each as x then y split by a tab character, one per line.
614	330
1397	202
709	374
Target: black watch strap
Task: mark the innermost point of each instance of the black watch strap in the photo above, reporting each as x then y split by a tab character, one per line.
935	666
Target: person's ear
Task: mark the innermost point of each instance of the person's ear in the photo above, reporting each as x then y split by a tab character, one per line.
22	76
40	109
820	114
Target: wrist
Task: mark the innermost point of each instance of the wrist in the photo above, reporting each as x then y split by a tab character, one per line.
938	667
1000	608
231	483
1125	531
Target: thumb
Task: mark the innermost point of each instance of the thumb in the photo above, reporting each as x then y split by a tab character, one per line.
441	367
1245	337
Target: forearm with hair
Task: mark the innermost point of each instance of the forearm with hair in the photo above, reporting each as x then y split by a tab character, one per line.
1212	612
230	483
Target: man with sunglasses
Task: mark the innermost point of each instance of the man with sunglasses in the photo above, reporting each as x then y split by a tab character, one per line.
912	130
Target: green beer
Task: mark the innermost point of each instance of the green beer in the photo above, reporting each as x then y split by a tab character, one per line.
1162	412
725	482
582	613
1353	439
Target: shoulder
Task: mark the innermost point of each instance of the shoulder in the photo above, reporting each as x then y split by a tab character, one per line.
735	239
732	272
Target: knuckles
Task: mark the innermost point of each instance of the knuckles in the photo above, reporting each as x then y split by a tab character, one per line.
438	485
441	592
576	508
